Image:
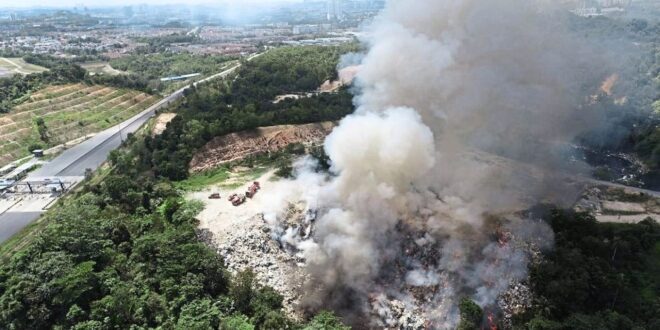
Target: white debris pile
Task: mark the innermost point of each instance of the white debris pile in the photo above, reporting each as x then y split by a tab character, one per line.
514	301
396	314
250	246
589	201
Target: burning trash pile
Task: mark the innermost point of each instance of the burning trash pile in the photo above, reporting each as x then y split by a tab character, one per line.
250	247
403	226
379	244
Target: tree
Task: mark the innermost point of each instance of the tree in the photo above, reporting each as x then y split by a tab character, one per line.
471	315
236	322
199	314
42	129
325	320
34	146
599	276
88	173
276	320
242	291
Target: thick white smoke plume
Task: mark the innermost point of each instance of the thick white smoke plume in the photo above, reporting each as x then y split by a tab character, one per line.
414	208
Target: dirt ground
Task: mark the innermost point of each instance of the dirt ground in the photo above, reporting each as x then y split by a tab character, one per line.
241	236
236	146
219	215
620	205
346	77
161	123
101	68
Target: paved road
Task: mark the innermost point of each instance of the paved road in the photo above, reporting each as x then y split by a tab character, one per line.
12	222
72	163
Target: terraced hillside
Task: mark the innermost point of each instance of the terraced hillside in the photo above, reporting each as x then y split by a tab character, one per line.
68	112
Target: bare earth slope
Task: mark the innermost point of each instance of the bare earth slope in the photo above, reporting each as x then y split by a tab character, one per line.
239	145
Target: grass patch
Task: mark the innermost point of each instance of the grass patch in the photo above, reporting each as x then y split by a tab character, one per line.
101	68
224	176
201	180
18	65
245	177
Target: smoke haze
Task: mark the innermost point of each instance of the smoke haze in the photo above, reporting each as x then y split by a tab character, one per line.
416	197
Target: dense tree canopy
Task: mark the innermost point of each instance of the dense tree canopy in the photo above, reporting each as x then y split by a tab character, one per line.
159	65
599	276
208	111
286	70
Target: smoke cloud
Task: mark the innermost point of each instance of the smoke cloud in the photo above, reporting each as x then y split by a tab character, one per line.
463	108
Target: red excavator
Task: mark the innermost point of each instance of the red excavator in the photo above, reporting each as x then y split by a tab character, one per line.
252	189
236	199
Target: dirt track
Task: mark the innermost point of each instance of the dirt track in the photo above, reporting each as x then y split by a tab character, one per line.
239	145
161	123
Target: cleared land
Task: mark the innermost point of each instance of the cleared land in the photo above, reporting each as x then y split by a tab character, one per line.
236	146
622	205
69	112
161	123
14	65
101	68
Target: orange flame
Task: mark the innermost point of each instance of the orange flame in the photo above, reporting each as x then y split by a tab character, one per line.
491	321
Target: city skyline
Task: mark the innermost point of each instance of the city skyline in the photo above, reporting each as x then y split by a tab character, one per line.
118	3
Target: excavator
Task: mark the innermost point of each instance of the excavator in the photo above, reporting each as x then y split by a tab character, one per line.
237	199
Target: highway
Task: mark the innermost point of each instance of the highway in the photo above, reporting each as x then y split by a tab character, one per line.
17	212
13	222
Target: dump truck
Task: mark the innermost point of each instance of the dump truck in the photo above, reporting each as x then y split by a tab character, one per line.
214	196
252	189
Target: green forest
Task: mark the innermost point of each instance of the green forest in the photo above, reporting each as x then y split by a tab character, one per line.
602	276
122	252
598	276
286	70
223	107
160	65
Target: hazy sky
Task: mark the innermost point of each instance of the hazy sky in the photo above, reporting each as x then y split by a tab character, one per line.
107	3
